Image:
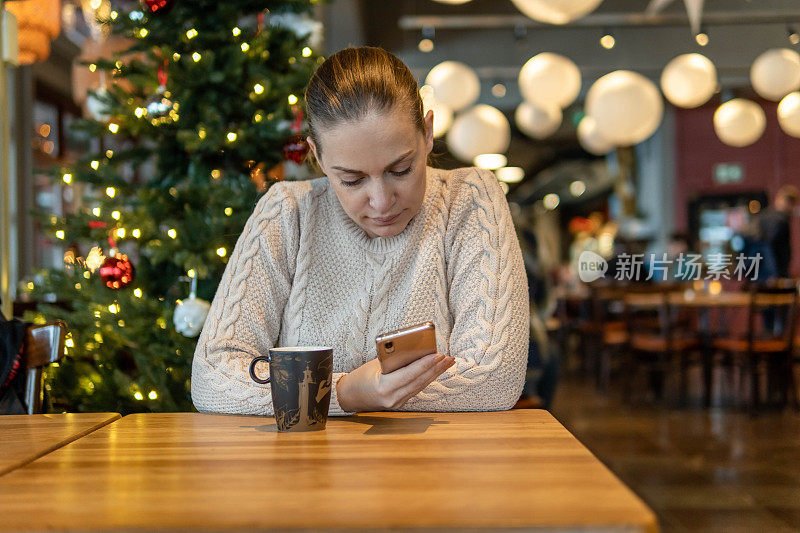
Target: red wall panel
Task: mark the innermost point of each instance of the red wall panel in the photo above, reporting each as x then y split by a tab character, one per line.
769	163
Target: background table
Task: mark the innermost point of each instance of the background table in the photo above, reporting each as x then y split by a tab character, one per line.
517	468
24	438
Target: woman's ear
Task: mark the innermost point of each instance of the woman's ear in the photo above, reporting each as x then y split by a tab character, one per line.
313	147
429	131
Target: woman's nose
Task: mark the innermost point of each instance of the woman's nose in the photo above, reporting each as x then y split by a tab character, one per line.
381	198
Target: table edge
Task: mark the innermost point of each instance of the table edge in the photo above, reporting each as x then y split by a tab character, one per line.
71	438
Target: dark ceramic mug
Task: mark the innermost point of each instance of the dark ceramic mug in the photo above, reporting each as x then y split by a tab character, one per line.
301	381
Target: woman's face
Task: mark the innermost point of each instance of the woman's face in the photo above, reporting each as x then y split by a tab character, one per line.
377	168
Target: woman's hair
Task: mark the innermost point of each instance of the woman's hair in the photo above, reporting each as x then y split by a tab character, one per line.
355	82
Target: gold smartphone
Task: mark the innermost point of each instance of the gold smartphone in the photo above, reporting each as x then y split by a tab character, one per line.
398	348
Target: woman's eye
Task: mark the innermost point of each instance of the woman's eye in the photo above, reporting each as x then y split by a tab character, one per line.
401	173
352	183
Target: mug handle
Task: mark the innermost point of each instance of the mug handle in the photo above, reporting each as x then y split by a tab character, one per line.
255	360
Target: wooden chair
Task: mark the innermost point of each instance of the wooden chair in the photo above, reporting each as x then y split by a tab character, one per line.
760	346
43	344
613	334
603	332
657	339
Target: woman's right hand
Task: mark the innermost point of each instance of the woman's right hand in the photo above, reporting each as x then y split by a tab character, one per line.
366	389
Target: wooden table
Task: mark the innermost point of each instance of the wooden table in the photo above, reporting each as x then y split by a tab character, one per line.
691	298
517	468
24	438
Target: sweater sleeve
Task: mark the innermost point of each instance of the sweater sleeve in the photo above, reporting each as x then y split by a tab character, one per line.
488	299
245	317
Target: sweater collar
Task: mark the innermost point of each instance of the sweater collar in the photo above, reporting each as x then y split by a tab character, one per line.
381	244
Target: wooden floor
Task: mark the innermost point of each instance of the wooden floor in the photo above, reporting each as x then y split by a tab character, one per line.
699	470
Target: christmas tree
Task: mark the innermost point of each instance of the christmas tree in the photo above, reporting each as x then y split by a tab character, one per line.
201	110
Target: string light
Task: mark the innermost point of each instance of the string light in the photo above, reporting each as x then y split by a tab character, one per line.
228	211
121	233
111	192
551	201
113	308
152	395
30	285
196	57
97	336
221	251
95	165
86	274
113	127
137	292
258	88
78	286
109	153
114	15
191	34
231	136
115	215
258	117
176	56
292	99
306	51
69	343
60	234
143	33
136	233
121	323
201	133
162	323
245	47
577	188
138	395
96	211
67	178
607	41
216	173
236	32
92	67
191	273
140	112
172	233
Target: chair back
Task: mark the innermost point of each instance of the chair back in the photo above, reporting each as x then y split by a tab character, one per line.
43	345
606	302
779	303
648	311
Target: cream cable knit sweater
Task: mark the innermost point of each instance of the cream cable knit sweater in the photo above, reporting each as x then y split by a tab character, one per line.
304	273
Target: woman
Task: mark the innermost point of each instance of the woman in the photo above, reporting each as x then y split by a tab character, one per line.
382	242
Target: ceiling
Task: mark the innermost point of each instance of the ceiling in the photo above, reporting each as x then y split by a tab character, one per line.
495	38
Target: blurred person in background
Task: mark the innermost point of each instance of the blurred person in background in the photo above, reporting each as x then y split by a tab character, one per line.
774	230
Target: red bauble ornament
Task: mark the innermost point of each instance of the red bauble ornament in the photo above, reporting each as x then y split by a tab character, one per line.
157	6
295	149
116	271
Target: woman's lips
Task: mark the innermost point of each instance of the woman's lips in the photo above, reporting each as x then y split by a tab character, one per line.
386	221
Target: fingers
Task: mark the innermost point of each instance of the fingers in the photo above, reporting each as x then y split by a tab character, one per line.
412	370
440	364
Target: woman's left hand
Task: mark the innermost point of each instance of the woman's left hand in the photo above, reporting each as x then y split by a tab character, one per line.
367	389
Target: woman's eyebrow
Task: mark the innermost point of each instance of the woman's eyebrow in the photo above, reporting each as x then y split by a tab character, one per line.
393	163
390	165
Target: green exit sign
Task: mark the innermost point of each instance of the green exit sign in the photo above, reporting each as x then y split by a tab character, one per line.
725	173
